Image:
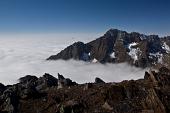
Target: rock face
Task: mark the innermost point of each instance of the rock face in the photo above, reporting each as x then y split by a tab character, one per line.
98	80
29	88
2	88
62	82
117	46
46	81
148	95
76	51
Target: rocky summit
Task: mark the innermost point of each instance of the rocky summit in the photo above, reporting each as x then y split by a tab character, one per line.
48	94
117	46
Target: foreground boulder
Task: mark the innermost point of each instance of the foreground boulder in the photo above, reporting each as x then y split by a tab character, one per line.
27	86
64	82
45	82
148	95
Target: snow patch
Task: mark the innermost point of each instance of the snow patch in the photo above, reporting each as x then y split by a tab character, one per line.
112	55
134	52
160	59
166	47
157	55
132	44
94	60
142	37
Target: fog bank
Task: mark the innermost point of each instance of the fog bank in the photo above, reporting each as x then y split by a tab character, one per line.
23	56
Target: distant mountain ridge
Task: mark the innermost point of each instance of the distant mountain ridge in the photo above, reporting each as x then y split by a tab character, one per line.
117	46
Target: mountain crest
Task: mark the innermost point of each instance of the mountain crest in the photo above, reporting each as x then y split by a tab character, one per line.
117	46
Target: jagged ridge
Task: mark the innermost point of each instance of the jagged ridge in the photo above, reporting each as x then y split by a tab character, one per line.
48	94
118	46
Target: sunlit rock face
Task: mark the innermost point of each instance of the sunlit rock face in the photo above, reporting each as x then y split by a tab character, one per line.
78	51
117	46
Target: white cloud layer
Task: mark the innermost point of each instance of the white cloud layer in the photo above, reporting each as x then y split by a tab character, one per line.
20	56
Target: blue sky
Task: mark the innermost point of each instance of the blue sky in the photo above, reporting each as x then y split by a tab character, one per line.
84	16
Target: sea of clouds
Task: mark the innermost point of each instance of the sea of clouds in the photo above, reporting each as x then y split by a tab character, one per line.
22	55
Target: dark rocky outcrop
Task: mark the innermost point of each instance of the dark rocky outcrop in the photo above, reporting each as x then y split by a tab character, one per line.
62	82
2	88
117	46
78	51
29	87
45	82
98	80
28	79
148	95
26	86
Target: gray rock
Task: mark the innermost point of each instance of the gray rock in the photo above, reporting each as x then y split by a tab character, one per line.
45	82
98	80
63	82
77	51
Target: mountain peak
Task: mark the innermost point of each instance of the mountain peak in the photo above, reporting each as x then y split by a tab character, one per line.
148	50
113	32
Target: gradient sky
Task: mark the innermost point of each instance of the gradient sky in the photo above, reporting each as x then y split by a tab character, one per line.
84	16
